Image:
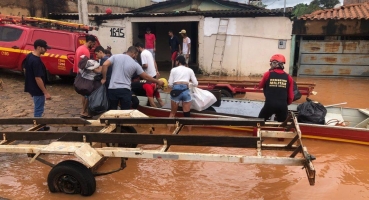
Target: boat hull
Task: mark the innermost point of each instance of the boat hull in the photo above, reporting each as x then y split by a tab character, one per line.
324	132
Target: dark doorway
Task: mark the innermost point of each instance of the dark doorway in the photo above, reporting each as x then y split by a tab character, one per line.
161	29
296	55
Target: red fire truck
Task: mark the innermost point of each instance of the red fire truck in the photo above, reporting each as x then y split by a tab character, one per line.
17	35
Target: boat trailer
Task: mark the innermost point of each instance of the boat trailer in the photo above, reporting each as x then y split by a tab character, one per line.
117	139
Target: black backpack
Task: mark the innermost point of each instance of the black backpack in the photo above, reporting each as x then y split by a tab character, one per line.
311	112
296	93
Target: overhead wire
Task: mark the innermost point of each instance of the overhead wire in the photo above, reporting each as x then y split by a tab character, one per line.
271	3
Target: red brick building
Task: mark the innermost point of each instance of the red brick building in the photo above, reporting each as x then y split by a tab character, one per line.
346	2
333	42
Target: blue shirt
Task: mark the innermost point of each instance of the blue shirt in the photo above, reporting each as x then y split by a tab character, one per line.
174	43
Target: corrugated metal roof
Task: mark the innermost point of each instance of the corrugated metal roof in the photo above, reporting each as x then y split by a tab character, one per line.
183	8
352	11
217	13
225	4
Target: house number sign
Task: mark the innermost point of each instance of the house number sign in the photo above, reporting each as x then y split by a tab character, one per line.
116	32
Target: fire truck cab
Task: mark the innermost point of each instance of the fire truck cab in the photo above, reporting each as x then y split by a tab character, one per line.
16	41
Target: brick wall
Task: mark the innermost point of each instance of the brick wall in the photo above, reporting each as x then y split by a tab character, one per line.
41	8
346	2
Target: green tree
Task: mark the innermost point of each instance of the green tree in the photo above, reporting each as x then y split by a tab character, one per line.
302	9
258	3
328	3
315	3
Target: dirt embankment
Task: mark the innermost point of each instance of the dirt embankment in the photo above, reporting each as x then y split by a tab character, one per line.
41	8
34	8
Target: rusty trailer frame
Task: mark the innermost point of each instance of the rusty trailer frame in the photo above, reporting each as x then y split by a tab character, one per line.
72	177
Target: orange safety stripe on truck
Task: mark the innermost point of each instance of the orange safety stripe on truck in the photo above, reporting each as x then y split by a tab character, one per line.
28	51
10	50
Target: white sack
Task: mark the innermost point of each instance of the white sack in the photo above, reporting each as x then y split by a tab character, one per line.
201	99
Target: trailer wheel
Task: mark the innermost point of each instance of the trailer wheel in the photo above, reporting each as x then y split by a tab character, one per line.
226	93
71	177
124	129
49	77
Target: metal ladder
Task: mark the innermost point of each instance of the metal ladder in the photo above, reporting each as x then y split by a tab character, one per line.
220	43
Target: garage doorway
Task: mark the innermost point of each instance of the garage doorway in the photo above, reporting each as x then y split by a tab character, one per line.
160	29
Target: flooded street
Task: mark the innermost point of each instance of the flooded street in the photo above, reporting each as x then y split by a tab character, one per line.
342	174
342	171
353	91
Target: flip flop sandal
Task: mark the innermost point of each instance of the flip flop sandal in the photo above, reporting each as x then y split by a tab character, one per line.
86	117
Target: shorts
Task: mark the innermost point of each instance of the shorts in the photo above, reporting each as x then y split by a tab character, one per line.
174	55
184	96
187	59
152	52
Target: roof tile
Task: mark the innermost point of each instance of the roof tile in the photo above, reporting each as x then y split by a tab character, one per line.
352	11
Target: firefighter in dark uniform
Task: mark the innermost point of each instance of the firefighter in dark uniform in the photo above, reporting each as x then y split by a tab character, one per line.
278	90
145	88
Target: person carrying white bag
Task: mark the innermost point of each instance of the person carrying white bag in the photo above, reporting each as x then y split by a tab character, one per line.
179	80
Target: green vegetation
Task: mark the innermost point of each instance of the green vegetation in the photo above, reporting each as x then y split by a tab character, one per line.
302	9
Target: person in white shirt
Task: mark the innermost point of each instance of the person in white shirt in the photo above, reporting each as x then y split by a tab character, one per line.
186	47
179	80
147	60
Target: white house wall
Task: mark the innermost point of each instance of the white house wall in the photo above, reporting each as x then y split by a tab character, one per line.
249	44
118	44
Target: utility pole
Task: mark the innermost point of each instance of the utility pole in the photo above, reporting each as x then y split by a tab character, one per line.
83	12
284	8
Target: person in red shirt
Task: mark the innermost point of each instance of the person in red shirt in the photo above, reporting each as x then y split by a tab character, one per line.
144	88
150	42
278	90
84	50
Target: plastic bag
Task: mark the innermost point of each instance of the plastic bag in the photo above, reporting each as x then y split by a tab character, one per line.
83	86
311	112
98	101
201	99
83	62
296	92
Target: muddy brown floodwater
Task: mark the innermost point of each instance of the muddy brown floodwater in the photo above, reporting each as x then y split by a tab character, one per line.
342	168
